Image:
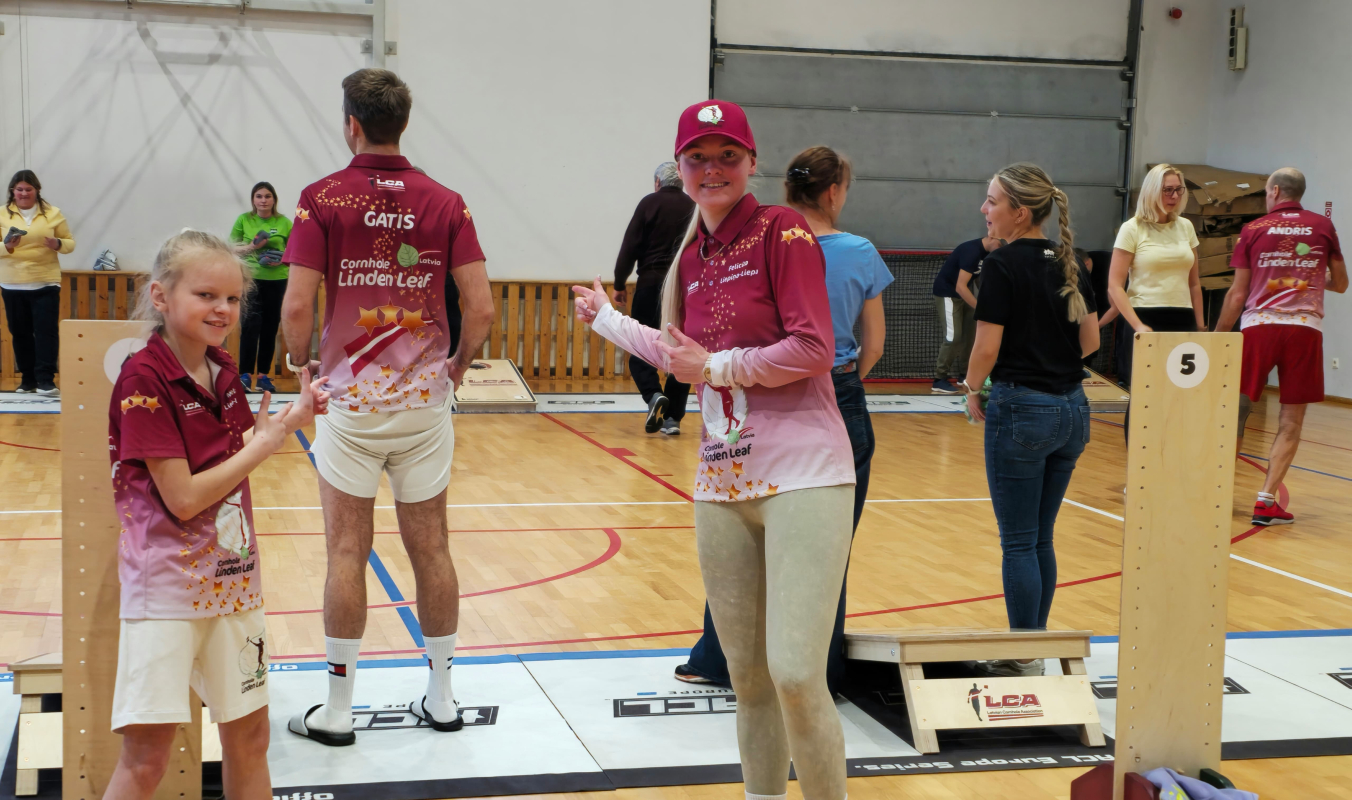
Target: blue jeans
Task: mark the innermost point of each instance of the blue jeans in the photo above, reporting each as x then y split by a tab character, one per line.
1033	440
706	657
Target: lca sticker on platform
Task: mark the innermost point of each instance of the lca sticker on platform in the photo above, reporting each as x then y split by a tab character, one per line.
386	718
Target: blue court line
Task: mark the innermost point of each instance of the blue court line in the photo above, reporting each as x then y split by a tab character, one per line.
1302	469
377	566
1301	634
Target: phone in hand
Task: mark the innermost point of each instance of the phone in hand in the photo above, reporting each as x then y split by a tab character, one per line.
260	237
13	234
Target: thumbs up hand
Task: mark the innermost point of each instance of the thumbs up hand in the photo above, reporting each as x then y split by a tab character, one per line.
686	360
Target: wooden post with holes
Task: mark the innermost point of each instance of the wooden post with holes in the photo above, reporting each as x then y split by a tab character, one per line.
91	357
1175	552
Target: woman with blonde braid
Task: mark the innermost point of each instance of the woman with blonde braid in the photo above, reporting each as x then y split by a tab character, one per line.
1036	322
746	317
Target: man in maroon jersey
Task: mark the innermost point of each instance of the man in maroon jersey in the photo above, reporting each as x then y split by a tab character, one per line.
382	236
1283	263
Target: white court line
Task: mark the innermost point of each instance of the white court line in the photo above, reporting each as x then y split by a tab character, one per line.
1291	576
1095	510
1283	573
38	511
936	500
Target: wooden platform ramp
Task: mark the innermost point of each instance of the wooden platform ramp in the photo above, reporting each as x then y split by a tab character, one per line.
951	703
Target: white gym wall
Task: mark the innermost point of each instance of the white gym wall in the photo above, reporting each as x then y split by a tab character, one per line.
141	122
549	117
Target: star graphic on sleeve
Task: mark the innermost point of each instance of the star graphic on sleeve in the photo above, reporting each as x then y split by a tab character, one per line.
367	319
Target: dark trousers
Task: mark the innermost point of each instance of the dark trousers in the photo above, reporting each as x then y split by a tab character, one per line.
706	657
647	310
34	317
258	332
453	316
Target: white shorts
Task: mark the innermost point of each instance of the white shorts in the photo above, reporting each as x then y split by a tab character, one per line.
414	447
224	660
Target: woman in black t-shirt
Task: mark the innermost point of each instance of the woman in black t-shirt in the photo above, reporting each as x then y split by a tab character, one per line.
1036	321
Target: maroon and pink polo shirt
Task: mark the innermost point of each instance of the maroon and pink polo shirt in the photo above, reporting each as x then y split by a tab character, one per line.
384	236
757	286
202	567
1288	251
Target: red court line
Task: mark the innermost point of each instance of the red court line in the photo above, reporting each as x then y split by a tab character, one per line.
32	447
611	550
1311	441
619	452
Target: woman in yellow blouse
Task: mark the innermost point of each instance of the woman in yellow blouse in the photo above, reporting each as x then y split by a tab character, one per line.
34	231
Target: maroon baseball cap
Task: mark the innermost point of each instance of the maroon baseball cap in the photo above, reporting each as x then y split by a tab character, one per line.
714	117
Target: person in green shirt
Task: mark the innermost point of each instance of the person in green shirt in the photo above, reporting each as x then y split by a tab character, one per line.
260	238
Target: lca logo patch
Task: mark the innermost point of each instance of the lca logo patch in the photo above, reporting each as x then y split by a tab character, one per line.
989	708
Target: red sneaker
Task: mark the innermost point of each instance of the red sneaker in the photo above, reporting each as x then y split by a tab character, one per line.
1271	515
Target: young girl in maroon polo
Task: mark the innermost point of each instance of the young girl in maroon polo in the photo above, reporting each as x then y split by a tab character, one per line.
747	318
182	442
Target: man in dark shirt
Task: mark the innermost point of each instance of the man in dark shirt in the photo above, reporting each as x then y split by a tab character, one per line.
651	240
954	303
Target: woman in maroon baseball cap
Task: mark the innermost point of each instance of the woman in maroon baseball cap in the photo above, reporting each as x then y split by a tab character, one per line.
746	317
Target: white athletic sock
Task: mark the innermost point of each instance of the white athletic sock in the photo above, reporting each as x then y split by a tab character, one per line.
440	698
336	715
1267	498
750	796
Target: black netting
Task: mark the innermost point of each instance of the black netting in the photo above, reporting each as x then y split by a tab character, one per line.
913	334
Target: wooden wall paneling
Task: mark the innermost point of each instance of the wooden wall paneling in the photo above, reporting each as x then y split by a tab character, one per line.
595	359
609	357
546	331
89	583
513	322
67	293
578	367
528	360
82	295
1176	551
562	308
103	305
495	332
121	307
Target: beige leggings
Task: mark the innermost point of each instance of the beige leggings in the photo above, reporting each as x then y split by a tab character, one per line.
772	571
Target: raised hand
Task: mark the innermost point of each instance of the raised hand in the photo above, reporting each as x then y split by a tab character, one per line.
589	302
270	428
686	360
313	401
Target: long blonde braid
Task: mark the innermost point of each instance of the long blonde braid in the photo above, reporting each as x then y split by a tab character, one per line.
1029	186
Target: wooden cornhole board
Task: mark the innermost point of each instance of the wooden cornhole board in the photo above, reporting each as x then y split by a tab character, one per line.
495	386
1105	396
949	703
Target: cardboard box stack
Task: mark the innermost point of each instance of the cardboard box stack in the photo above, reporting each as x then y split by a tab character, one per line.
1220	202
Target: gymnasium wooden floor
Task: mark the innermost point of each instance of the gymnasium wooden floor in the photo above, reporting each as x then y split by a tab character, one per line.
573	532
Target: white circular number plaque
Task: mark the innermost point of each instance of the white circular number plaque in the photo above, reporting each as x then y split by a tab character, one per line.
1187	365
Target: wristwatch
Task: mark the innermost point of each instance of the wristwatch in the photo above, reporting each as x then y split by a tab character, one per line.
708	369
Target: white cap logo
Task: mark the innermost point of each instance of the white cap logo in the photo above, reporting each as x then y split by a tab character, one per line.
711	115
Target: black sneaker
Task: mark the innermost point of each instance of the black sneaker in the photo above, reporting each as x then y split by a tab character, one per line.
27	388
943	386
657	408
48	388
684	673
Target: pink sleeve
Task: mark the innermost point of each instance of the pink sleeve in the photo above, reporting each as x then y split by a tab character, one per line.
798	278
630	335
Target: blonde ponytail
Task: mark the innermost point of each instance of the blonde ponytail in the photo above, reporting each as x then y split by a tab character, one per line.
1028	186
672	297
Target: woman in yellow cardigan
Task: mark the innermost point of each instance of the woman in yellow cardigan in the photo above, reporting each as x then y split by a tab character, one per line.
34	232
